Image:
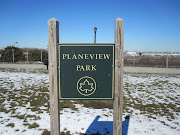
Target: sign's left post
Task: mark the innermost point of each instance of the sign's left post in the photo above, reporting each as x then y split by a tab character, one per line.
53	39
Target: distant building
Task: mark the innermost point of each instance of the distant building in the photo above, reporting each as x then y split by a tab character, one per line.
145	54
132	53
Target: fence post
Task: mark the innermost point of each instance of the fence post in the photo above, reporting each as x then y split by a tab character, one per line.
53	39
27	56
133	60
13	54
167	61
41	55
118	92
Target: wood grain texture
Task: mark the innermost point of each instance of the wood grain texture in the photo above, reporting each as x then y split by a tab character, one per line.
53	39
118	92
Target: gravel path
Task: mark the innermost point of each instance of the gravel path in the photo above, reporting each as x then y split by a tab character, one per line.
126	69
152	70
23	66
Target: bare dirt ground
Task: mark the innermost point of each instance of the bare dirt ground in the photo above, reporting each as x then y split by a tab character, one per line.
126	69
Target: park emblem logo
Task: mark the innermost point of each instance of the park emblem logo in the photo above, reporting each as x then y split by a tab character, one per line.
86	86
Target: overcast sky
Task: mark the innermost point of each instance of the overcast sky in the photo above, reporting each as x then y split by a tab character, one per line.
149	25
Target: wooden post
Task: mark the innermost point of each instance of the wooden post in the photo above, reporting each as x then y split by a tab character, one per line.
53	39
118	92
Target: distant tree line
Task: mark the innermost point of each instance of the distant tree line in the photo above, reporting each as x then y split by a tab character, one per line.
19	56
7	54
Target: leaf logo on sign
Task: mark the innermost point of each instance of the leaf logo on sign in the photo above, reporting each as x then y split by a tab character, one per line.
86	86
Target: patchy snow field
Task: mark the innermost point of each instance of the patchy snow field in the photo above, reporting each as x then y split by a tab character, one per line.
151	100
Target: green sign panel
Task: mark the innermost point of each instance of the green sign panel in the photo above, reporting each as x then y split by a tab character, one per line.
86	71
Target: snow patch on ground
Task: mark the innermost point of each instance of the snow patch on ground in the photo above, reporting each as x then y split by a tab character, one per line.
159	94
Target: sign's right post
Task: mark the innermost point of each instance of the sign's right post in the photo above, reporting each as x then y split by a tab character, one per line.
118	92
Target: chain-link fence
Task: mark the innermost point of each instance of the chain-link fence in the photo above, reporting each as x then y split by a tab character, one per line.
172	61
12	54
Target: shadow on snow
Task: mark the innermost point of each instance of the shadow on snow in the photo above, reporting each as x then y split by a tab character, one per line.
106	127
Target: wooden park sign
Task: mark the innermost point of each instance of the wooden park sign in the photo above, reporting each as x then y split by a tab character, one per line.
85	71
